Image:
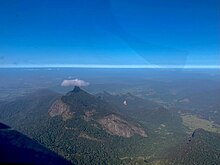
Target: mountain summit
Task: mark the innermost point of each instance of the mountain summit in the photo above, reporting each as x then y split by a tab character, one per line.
76	89
78	125
78	104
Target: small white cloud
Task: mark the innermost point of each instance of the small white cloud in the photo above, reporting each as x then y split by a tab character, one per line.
74	82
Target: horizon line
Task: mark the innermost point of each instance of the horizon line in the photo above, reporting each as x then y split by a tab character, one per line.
113	66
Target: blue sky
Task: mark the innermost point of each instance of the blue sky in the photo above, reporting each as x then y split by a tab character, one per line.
110	32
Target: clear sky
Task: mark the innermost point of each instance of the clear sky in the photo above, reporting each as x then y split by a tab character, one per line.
110	32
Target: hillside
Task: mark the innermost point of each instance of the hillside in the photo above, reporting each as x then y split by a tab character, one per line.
77	125
93	129
202	148
152	114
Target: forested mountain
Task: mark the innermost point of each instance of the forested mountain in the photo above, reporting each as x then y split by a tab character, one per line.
201	148
77	125
149	112
102	128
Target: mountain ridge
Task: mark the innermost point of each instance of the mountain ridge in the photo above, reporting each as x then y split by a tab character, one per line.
79	102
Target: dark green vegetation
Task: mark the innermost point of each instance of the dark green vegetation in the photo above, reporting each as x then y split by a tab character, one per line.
155	100
148	112
83	138
15	148
201	148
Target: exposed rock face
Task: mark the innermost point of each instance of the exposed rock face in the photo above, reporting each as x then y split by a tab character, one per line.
89	108
117	126
86	136
88	115
59	108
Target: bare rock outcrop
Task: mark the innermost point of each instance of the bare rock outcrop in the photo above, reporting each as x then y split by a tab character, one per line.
117	126
88	115
59	108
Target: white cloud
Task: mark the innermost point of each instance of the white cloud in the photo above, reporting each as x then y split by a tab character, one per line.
74	82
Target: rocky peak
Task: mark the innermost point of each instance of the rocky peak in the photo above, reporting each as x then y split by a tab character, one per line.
78	98
79	103
76	89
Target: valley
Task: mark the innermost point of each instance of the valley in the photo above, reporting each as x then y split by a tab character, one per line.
193	122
